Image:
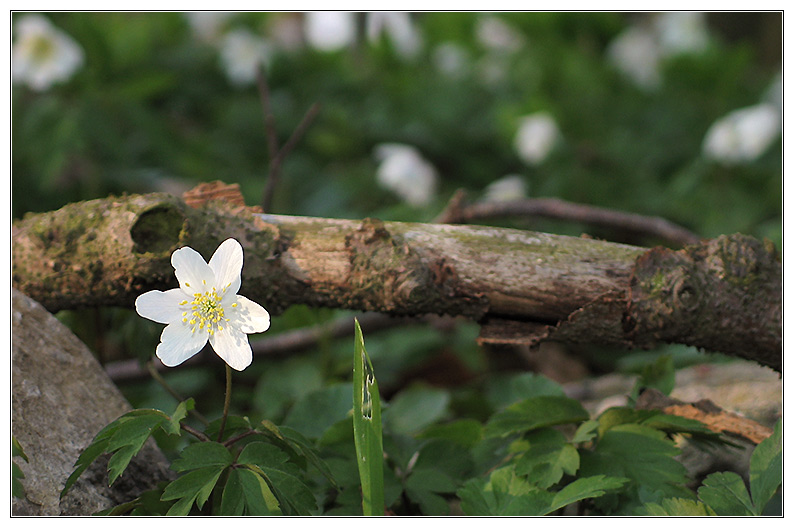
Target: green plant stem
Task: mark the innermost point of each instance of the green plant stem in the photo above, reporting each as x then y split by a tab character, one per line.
198	434
226	402
170	390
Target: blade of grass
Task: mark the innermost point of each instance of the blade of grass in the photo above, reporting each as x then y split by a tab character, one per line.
367	429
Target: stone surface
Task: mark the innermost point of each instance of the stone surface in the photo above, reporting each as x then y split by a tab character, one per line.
61	398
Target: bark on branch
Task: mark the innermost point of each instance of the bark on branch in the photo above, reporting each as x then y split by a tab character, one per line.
523	287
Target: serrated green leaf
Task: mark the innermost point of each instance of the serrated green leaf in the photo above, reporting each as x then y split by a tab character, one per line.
172	427
726	494
585	488
16	449
534	413
272	464
679	508
503	493
290	439
367	428
194	486
126	434
642	454
201	455
247	493
766	469
585	432
548	457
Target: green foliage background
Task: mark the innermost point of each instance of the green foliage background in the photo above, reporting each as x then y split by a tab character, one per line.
153	110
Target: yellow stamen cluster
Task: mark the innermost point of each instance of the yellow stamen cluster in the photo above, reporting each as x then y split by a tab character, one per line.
206	311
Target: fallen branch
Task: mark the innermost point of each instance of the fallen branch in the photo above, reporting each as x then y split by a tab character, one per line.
523	287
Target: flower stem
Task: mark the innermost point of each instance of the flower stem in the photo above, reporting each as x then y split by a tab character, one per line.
227	402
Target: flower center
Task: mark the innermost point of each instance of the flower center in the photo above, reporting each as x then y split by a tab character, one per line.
205	311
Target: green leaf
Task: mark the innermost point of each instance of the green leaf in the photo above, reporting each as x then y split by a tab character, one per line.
202	454
415	408
125	436
246	492
194	486
203	463
659	375
585	432
423	487
289	438
548	457
172	426
271	463
504	493
367	429
585	488
17	489
504	391
321	409
726	494
642	454
766	469
466	432
534	413
679	508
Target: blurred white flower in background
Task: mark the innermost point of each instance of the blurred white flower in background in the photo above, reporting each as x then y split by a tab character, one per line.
242	53
743	135
508	188
43	55
330	30
497	35
399	29
636	55
638	51
537	134
405	172
207	25
451	59
681	32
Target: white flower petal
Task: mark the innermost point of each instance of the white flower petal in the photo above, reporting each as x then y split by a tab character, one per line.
193	274
178	343
161	307
232	346
227	264
249	317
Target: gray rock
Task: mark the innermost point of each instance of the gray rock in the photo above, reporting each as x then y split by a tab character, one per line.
61	398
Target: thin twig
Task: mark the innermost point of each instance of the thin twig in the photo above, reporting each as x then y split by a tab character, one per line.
198	434
277	155
458	212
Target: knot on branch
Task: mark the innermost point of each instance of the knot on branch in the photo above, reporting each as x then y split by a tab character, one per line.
705	292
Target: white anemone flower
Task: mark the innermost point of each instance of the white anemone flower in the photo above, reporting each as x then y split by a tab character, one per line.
43	55
205	307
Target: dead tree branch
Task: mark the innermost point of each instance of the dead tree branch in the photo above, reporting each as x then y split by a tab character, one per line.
523	287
